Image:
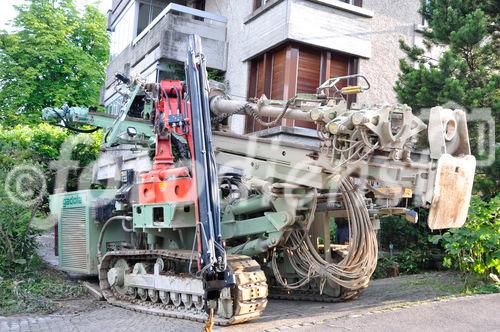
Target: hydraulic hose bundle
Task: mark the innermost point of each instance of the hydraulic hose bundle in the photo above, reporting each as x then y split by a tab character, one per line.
354	270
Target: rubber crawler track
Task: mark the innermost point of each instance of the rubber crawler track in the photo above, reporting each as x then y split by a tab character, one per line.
249	294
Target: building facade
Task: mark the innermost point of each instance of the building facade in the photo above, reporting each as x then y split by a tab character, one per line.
274	47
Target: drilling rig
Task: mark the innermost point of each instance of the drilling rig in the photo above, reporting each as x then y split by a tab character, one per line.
185	216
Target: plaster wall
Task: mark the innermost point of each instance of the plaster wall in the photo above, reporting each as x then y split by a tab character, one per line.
392	20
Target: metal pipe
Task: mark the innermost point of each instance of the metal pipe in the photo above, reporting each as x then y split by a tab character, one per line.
252	205
251	248
103	229
325	223
220	105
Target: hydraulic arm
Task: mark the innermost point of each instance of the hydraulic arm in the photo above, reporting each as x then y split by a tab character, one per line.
213	255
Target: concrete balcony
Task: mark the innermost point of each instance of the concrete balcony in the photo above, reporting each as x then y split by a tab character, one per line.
165	38
328	24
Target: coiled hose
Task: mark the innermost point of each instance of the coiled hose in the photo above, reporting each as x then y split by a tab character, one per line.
355	269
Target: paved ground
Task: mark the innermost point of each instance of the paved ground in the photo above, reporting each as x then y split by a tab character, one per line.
420	302
403	303
474	313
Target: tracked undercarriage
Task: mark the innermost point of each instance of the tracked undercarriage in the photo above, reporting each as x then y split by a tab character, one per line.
147	281
154	281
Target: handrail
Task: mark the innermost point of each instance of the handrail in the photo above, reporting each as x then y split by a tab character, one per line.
182	9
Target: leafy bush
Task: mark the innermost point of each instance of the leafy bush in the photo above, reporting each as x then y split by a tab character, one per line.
386	266
39	144
17	237
418	259
403	234
216	75
475	247
33	146
42	144
412	250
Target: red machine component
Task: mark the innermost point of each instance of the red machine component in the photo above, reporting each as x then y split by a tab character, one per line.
166	183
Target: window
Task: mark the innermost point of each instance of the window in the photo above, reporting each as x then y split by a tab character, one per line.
150	9
200	5
295	68
123	31
358	3
147	13
114	106
170	70
260	3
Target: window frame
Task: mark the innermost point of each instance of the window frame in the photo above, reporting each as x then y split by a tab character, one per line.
357	3
150	18
260	4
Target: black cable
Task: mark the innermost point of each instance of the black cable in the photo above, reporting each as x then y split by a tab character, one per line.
166	96
178	94
67	126
83	131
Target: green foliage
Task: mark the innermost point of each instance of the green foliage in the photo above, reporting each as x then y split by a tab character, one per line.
33	146
466	73
38	144
216	75
475	248
415	260
403	234
57	55
385	264
412	250
17	238
43	143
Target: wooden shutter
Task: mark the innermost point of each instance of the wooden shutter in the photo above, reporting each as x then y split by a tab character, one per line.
260	77
278	75
308	75
339	66
283	72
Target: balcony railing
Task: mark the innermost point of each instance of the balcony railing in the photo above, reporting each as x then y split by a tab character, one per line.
173	7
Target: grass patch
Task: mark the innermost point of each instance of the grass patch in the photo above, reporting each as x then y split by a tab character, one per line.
37	290
453	283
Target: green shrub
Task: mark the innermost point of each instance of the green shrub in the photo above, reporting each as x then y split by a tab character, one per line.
33	146
403	234
418	259
40	144
475	247
216	75
385	265
17	237
411	248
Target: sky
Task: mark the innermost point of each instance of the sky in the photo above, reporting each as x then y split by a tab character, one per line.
8	12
